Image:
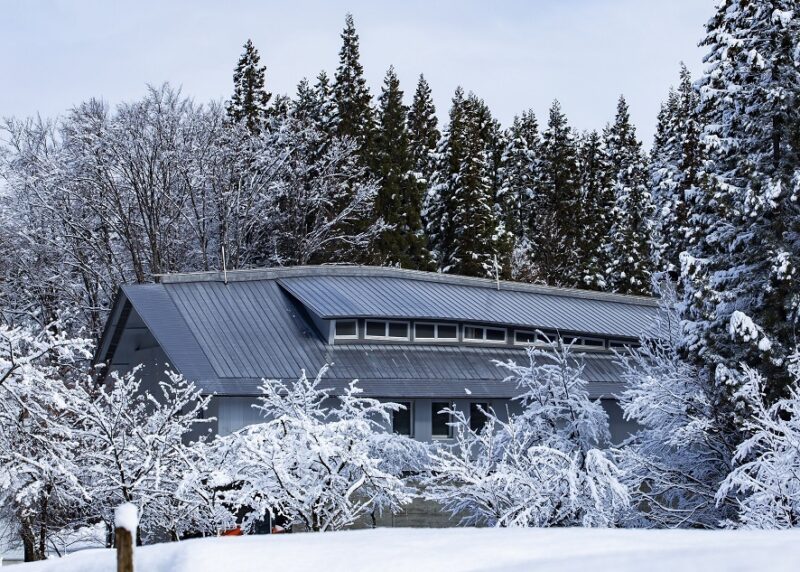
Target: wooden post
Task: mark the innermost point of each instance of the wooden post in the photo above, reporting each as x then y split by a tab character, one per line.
126	522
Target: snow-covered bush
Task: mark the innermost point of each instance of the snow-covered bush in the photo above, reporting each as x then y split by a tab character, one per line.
542	467
765	483
316	460
677	460
40	488
133	450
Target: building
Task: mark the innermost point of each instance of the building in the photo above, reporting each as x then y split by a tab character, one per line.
423	339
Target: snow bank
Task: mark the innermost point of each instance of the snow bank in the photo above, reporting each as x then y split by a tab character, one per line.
462	549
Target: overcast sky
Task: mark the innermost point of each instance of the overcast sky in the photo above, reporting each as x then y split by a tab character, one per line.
515	54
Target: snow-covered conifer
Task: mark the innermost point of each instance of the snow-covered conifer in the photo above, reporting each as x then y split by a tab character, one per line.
629	242
398	201
250	99
746	259
555	228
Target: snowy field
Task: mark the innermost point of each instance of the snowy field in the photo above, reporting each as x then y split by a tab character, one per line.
457	549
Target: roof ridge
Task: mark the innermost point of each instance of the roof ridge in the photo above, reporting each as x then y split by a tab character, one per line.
354	270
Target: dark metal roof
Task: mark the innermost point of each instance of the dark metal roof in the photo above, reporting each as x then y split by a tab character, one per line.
395	297
227	337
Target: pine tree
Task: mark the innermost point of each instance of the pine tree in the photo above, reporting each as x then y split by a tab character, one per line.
629	246
423	132
250	99
740	277
354	114
399	200
675	170
555	229
517	195
597	200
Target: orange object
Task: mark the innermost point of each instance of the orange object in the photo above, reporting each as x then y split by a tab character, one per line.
233	532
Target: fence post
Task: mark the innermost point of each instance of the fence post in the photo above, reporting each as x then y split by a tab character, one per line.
126	521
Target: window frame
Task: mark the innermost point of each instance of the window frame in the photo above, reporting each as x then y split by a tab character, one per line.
386	335
484	339
436	337
345	337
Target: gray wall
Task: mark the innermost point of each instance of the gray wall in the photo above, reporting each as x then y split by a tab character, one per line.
234	413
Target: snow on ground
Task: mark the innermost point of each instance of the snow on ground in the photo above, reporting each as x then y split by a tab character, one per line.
461	549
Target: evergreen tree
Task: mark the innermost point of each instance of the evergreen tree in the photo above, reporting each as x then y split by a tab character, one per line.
315	104
482	243
629	241
438	203
740	278
422	131
555	228
250	99
399	199
597	205
517	196
460	206
675	169
354	114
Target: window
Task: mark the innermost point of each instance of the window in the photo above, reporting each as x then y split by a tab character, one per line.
477	416
387	330
402	420
346	329
440	428
484	334
524	338
593	343
447	332
425	331
528	338
441	332
583	342
622	344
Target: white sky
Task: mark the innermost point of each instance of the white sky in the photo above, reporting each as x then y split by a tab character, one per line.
514	54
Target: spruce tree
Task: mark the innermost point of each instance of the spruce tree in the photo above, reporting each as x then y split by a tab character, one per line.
460	215
250	100
629	242
555	229
438	200
315	105
482	245
597	205
399	199
740	279
355	116
675	170
517	195
423	131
